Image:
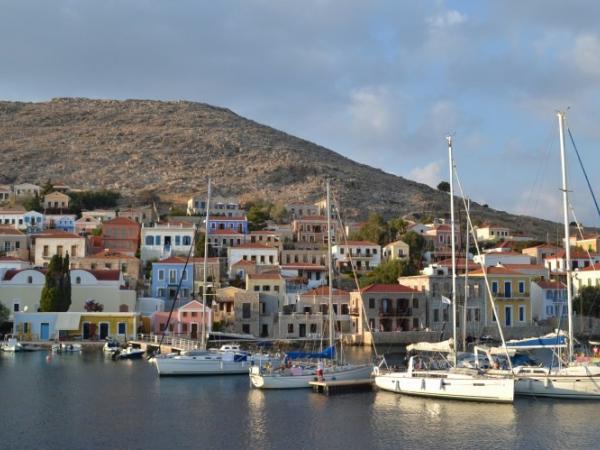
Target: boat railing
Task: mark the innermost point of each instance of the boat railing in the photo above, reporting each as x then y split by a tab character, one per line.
173	341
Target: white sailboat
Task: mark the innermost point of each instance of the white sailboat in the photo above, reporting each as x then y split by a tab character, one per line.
568	380
451	383
229	360
300	375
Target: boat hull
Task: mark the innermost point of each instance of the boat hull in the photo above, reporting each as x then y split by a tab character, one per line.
278	381
197	365
448	386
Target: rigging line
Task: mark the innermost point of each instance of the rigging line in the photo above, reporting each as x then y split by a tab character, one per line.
352	265
584	171
481	263
187	260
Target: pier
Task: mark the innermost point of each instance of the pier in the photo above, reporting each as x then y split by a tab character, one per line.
341	386
151	343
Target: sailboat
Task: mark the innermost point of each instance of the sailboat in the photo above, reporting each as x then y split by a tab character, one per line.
568	380
228	360
300	375
432	380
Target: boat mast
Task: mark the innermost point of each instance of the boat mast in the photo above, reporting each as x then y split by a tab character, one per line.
567	243
329	268
204	268
452	241
464	322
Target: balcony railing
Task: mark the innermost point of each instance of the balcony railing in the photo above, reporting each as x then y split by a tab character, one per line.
395	312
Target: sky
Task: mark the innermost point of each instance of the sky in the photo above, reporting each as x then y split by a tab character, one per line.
381	82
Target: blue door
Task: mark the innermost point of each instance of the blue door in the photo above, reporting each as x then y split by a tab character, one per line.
508	316
507	289
44	331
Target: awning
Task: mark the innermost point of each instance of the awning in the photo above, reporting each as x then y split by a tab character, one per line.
67	321
441	347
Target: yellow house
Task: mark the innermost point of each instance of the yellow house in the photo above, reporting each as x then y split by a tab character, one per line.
56	200
511	296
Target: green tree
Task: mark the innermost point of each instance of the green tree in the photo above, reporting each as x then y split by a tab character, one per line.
47	187
33	203
56	293
374	230
587	302
444	186
388	272
279	214
396	227
258	215
199	246
4	314
416	244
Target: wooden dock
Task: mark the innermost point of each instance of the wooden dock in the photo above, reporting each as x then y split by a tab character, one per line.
341	386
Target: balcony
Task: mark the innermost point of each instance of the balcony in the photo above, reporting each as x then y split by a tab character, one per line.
396	312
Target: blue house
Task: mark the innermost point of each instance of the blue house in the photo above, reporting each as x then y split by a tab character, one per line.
235	223
166	275
63	222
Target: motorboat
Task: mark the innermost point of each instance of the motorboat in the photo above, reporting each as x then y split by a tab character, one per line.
111	346
66	348
227	360
11	344
129	352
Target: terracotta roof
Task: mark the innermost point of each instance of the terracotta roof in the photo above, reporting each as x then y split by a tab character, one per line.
110	254
244	262
122	221
263	232
575	254
504	244
221	232
303	266
546	284
524	266
256	245
10	273
104	275
323	290
497	270
12	210
265	276
385	288
363	243
55	234
590	268
171	260
543	246
227	218
10	231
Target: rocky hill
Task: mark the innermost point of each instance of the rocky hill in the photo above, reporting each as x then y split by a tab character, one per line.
170	148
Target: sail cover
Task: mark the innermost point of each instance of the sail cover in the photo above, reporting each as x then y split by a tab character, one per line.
551	340
440	347
328	353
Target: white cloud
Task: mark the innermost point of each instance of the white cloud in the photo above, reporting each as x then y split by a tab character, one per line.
447	19
431	174
586	53
369	108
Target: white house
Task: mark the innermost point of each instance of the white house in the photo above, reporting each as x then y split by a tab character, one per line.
261	254
48	243
304	275
548	299
491	233
101	215
587	276
223	206
365	255
33	221
495	258
13	217
579	260
26	190
162	240
396	250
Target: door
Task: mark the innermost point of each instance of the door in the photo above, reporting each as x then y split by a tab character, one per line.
103	331
194	332
508	316
507	289
265	330
44	331
302	330
86	330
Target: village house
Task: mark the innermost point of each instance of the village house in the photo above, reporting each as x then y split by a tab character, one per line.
303	276
588	243
439	242
167	275
224	314
579	260
186	320
247	312
586	276
213	273
548	299
396	250
48	243
298	210
491	232
5	193
33	222
241	268
317	301
101	215
222	206
539	253
13	242
121	235
511	291
142	214
268	237
56	200
234	223
63	222
220	240
387	308
107	259
163	240
312	229
363	254
25	190
261	254
13	216
502	257
20	290
87	225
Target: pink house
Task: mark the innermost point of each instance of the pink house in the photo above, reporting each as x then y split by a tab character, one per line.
186	321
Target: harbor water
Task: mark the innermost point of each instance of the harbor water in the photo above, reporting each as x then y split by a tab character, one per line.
78	401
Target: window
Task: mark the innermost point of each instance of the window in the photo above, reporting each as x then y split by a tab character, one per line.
194	314
246	328
371	303
521	313
184	275
266	288
246	310
276	288
445	314
415	323
177	240
415	303
73	250
157	240
345	309
78	280
436	315
313	328
29	279
121	328
256	288
149	240
160	292
187	240
521	287
161	275
477	317
172	276
494	287
16	307
290	327
46	251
